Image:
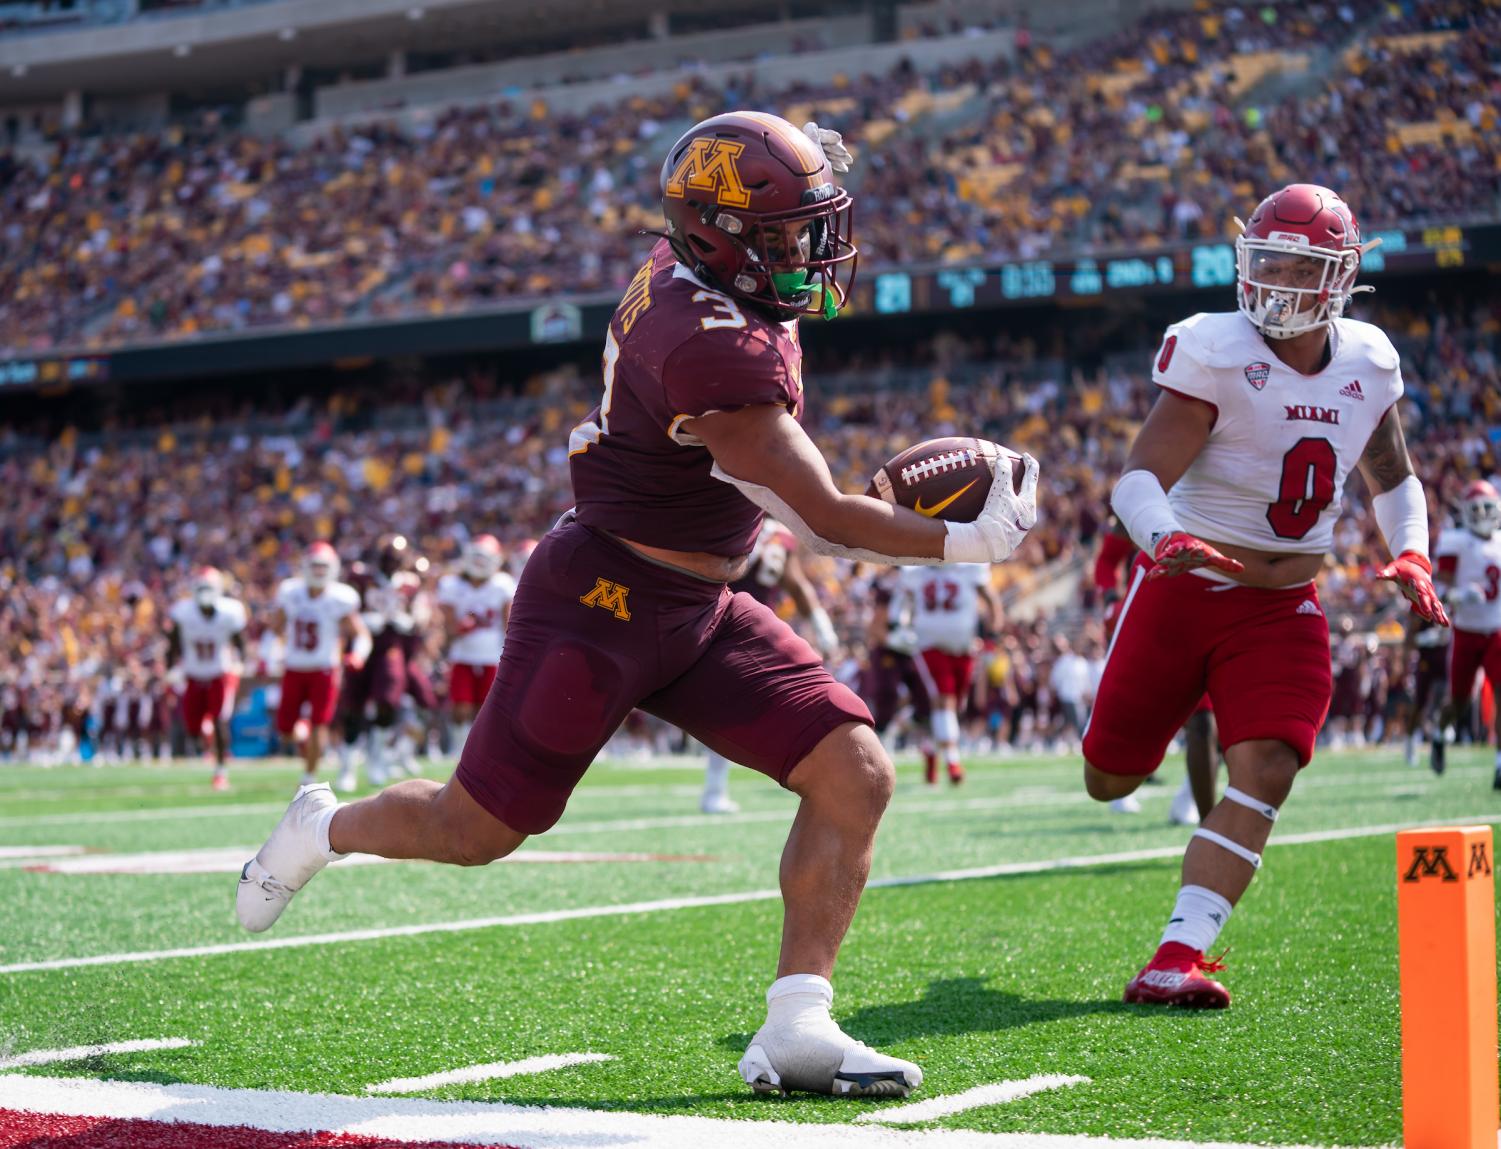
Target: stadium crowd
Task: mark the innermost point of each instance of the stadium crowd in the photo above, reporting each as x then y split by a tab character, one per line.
201	228
101	531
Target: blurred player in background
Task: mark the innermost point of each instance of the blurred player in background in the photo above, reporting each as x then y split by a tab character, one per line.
206	635
1261	416
1469	573
893	664
1426	657
395	612
626	603
949	605
476	604
316	611
775	574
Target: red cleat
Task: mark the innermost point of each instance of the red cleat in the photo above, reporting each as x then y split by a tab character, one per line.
220	783
930	767
1175	976
956	773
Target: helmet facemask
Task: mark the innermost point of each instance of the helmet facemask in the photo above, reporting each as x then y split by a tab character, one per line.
1288	288
802	262
1481	514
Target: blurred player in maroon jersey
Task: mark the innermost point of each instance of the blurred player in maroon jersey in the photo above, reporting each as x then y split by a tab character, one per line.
626	602
394	611
892	643
774	576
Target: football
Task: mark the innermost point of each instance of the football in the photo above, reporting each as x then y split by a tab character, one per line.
945	478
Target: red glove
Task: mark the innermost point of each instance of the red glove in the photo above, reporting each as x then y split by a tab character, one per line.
468	623
1180	551
1413	574
353	662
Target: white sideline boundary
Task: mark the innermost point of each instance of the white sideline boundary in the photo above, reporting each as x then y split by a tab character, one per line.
82	1052
479	1123
1006	869
229	859
491	1072
976	1098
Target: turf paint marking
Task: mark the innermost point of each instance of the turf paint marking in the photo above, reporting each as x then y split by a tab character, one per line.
408	1121
976	1098
229	859
83	1052
496	1069
1007	869
27	853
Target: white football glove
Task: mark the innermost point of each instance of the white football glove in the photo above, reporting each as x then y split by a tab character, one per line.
1003	523
832	143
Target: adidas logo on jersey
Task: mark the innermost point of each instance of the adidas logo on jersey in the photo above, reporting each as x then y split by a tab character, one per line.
1308	606
1353	391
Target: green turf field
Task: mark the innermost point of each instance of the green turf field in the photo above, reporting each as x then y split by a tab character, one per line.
981	979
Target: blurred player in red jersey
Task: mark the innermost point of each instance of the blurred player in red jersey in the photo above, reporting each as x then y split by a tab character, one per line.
476	602
206	634
317	611
1261	416
949	605
775	573
626	602
1469	573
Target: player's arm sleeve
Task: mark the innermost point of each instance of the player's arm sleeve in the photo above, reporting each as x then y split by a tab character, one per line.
446	590
237	617
1181	367
721	371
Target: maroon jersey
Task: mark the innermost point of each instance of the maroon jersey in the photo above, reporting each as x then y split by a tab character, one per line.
677	349
762	580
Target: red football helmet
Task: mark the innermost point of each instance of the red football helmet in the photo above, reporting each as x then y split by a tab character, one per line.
1296	261
482	557
752	209
320	565
1480	509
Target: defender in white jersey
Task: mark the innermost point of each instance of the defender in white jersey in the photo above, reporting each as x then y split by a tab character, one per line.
317	611
948	604
476	604
205	633
1234	482
1469	573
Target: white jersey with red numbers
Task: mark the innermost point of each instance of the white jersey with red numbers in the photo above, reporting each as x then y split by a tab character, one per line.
1468	563
312	636
946	604
207	652
485	603
1283	443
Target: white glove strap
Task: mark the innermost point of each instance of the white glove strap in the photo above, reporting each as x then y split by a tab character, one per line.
360	647
1142	507
966	543
1402	515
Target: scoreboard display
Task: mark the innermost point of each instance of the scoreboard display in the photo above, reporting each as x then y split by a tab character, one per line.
1182	267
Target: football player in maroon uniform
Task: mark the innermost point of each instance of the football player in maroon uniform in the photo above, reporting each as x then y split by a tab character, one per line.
626	602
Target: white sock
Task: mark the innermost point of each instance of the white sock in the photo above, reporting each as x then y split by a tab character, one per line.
1197	919
1498	760
716	776
320	833
345	757
798	1000
461	736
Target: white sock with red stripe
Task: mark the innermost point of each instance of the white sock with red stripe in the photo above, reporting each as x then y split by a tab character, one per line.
1198	917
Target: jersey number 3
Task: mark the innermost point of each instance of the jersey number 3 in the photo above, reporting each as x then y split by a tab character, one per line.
1306	488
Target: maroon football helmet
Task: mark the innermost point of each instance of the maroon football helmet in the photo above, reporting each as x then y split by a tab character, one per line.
1296	261
753	210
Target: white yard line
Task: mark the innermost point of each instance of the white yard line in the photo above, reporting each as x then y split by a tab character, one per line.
976	1098
479	1123
229	859
1005	869
1026	797
496	1069
83	1052
28	852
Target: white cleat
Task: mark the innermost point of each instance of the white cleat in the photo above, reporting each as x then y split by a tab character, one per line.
348	780
1130	804
290	857
1184	811
718	804
824	1060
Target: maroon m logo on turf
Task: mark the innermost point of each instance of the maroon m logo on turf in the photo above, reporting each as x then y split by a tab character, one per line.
1430	862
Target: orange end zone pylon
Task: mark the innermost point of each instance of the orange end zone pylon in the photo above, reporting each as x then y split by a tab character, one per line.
1446	929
